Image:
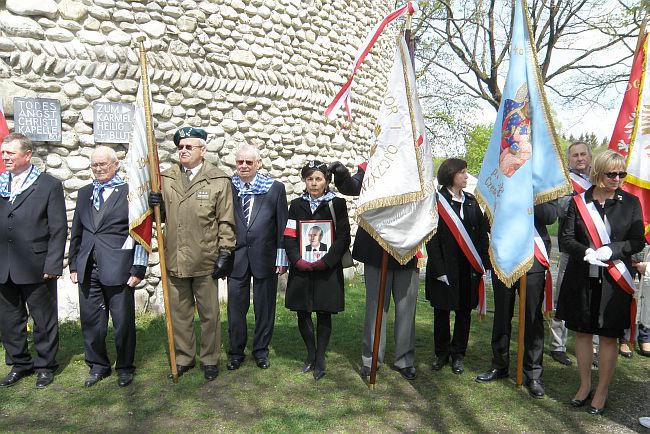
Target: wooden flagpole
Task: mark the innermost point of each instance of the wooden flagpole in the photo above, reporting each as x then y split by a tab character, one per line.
639	39
154	169
521	331
379	318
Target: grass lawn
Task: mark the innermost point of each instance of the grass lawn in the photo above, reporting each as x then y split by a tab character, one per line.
281	399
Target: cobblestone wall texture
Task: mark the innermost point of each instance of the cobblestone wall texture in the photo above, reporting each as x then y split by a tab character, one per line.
256	71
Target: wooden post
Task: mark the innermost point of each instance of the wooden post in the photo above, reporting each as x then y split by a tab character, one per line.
521	331
154	169
379	318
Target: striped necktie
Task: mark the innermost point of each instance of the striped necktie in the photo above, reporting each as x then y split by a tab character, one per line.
246	205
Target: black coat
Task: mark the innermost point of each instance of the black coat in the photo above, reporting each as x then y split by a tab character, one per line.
320	291
446	258
257	242
114	264
33	231
576	294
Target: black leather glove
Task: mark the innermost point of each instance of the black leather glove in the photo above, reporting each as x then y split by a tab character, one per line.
339	171
223	265
156	199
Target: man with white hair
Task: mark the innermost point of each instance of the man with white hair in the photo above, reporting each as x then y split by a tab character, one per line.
261	215
107	265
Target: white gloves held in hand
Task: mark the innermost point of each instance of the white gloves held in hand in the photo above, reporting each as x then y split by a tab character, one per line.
443	278
591	256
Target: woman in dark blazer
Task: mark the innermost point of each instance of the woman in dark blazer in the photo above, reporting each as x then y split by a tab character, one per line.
451	282
591	302
316	285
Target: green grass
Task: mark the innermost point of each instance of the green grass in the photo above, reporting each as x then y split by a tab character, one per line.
281	400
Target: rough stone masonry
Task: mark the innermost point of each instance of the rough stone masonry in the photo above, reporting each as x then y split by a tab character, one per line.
255	71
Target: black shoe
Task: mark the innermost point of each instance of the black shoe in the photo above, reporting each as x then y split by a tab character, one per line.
44	379
307	367
440	362
457	365
491	375
595	411
625	351
535	388
318	374
263	363
14	377
124	379
561	357
408	373
644	349
233	364
210	372
364	372
95	377
181	369
580	402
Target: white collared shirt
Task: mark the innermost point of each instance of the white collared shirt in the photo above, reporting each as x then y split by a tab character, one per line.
194	171
460	200
17	181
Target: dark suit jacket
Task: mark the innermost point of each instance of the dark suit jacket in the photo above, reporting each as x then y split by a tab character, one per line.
258	242
33	231
114	264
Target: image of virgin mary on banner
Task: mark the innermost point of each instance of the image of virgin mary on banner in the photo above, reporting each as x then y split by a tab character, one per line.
523	165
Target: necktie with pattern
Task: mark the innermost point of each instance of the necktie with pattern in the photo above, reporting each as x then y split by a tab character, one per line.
246	205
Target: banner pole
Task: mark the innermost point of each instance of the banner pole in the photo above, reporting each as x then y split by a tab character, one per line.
154	170
521	331
379	318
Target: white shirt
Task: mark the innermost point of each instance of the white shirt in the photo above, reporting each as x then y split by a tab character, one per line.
460	199
17	181
193	171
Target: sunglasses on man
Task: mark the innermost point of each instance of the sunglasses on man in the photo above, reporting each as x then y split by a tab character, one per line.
188	147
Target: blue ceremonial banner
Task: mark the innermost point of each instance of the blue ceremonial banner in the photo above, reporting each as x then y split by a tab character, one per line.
523	164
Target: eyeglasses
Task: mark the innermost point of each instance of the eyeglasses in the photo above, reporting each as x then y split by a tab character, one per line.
613	175
188	147
246	162
100	165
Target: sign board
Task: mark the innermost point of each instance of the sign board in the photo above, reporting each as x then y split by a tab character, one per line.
38	118
112	122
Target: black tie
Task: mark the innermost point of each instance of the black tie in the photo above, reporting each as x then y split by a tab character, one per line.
246	205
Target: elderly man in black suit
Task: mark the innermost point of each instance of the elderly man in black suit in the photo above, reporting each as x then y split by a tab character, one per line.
107	264
260	217
33	230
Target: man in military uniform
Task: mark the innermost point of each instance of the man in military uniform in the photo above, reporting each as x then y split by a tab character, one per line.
197	203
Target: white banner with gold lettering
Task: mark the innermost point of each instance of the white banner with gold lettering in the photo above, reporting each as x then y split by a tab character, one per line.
397	204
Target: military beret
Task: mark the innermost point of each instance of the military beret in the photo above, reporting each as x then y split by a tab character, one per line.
314	165
188	132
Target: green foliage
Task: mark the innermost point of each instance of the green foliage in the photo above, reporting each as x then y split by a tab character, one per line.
476	143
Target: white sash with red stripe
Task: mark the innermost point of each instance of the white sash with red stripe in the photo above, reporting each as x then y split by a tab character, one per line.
599	236
343	95
542	257
580	184
466	245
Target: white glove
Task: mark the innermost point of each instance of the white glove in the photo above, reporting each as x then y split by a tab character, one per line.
590	256
488	274
603	253
443	278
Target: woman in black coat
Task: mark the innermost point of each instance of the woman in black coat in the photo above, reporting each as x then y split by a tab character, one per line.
315	281
451	282
590	301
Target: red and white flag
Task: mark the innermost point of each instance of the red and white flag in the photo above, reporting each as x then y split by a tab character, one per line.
631	135
138	176
4	130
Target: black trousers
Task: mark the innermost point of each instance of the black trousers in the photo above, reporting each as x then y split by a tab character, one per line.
504	303
41	300
443	343
96	302
264	296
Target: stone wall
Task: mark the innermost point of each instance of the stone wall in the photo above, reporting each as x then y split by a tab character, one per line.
257	71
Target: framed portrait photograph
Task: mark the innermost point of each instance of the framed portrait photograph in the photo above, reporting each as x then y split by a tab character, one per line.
316	238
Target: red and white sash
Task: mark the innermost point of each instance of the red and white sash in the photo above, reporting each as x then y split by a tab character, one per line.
542	257
466	245
580	184
600	236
